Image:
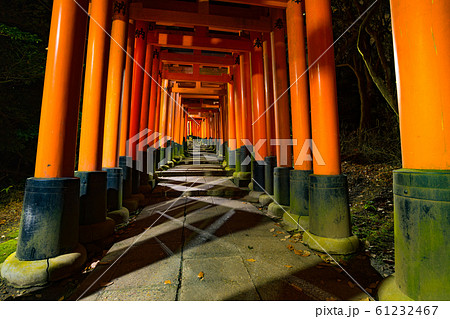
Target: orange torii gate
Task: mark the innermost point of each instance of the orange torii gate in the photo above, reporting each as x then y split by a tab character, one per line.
133	103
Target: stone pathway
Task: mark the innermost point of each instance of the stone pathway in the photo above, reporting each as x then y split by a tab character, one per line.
202	240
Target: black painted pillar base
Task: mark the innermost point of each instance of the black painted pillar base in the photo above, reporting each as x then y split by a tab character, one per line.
92	197
299	192
114	188
421	228
50	218
259	176
271	163
329	215
245	159
281	181
135	178
125	163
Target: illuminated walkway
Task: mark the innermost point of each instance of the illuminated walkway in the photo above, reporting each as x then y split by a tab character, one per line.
193	247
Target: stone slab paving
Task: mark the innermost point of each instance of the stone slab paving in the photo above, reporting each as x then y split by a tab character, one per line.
214	248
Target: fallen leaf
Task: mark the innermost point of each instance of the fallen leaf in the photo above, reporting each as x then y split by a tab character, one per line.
298	252
167	282
201	275
365	299
274	235
330	299
283	239
60	299
350	284
38	296
298	235
276	224
251	260
287	236
272	230
288	266
94	264
290	247
369	290
106	284
306	253
280	232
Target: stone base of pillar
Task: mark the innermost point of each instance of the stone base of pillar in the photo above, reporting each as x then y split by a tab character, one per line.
114	188
120	216
337	246
165	167
299	192
290	221
276	210
421	228
258	177
50	218
329	215
92	197
33	273
265	199
245	159
281	186
125	163
131	204
271	163
242	179
94	232
388	290
135	177
170	164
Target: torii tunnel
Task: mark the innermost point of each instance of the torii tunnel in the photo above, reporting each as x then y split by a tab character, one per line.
253	80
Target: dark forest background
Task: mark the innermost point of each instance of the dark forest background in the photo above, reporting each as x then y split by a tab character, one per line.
365	76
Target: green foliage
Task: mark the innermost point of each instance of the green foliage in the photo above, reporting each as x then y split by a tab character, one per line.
24	30
23	56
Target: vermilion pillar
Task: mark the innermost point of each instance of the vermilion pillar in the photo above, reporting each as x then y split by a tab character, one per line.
92	122
154	91
280	85
114	87
259	112
329	214
271	159
145	102
126	96
124	151
49	224
93	179
59	115
246	97
259	108
117	55
232	125
140	44
237	104
281	112
421	32
301	123
268	93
